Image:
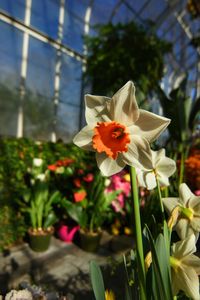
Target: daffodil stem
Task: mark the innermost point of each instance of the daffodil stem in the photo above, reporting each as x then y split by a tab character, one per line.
160	199
138	235
182	166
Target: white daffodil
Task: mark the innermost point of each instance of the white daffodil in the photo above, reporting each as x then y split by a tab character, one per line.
37	162
185	268
188	221
162	168
119	131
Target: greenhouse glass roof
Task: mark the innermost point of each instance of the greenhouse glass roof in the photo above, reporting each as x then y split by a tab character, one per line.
42	57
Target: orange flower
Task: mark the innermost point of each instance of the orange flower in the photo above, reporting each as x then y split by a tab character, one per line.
52	167
111	138
79	196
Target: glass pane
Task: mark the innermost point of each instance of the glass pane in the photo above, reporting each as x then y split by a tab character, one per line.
45	15
10	63
15	8
68	122
40	87
73	32
70	81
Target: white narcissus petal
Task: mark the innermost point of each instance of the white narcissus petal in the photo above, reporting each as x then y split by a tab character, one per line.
194	262
184	247
150	180
123	107
109	166
196	223
159	154
187	280
163	180
185	193
150	125
138	154
140	178
166	166
83	139
194	203
95	109
182	228
170	204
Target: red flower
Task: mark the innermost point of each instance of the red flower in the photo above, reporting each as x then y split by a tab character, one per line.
89	177
77	182
52	167
79	196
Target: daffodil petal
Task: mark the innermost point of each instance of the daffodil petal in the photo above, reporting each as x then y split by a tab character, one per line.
193	261
150	125
183	229
123	107
188	281
166	166
194	203
150	180
185	193
140	178
157	155
163	180
109	166
184	247
195	223
95	109
138	154
83	139
170	204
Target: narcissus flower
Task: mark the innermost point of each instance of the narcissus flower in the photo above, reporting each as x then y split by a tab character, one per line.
119	131
188	221
185	268
162	168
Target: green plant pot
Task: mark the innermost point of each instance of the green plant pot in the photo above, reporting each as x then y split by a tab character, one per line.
90	241
40	241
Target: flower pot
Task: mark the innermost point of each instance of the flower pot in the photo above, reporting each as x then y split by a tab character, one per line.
90	241
39	241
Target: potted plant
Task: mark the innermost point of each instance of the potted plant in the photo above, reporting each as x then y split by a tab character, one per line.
89	207
38	203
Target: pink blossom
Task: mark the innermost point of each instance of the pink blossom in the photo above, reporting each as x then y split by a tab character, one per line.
197	193
89	177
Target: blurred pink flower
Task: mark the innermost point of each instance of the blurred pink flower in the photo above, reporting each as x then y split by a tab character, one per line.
197	193
67	233
89	177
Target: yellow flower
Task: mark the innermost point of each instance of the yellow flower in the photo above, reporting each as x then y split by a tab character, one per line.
118	131
185	268
188	221
109	295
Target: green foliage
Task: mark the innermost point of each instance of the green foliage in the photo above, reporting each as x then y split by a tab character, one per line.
12	227
182	110
38	202
123	52
93	210
16	157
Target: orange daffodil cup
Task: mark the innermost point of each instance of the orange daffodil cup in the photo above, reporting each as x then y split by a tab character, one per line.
118	131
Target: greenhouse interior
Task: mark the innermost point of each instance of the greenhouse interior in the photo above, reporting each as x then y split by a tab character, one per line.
100	149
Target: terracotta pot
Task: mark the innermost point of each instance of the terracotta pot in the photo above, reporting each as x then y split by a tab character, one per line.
90	241
39	241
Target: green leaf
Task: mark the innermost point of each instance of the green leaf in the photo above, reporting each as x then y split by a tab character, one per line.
50	220
97	281
161	284
74	210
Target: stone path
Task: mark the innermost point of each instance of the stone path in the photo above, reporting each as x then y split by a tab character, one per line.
64	269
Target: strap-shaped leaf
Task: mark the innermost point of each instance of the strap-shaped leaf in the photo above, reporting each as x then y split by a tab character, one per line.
97	281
